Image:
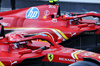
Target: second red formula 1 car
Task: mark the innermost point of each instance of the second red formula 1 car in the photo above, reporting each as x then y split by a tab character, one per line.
26	50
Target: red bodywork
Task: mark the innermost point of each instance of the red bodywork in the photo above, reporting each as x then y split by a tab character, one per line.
46	19
13	50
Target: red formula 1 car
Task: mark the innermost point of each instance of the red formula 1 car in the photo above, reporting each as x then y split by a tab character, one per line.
46	19
26	50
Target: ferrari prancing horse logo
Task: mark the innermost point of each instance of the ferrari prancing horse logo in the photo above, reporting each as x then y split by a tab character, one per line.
50	57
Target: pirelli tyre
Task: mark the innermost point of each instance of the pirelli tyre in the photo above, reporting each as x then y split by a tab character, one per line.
84	63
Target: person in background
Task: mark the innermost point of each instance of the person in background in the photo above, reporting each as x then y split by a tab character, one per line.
53	2
12	4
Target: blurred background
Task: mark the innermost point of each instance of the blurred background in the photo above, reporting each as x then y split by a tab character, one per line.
66	5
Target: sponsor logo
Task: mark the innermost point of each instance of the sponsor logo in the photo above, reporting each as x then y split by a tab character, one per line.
47	12
50	57
73	34
52	6
90	54
89	32
32	13
54	20
13	62
5	24
52	49
66	59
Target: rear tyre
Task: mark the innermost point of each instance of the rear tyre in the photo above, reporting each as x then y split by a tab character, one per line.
83	63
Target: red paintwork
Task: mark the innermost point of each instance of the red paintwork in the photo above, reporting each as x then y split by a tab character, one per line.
57	27
9	53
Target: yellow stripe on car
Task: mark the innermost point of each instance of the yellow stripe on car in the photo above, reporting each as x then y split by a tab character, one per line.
74	54
57	31
77	54
1	64
63	35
